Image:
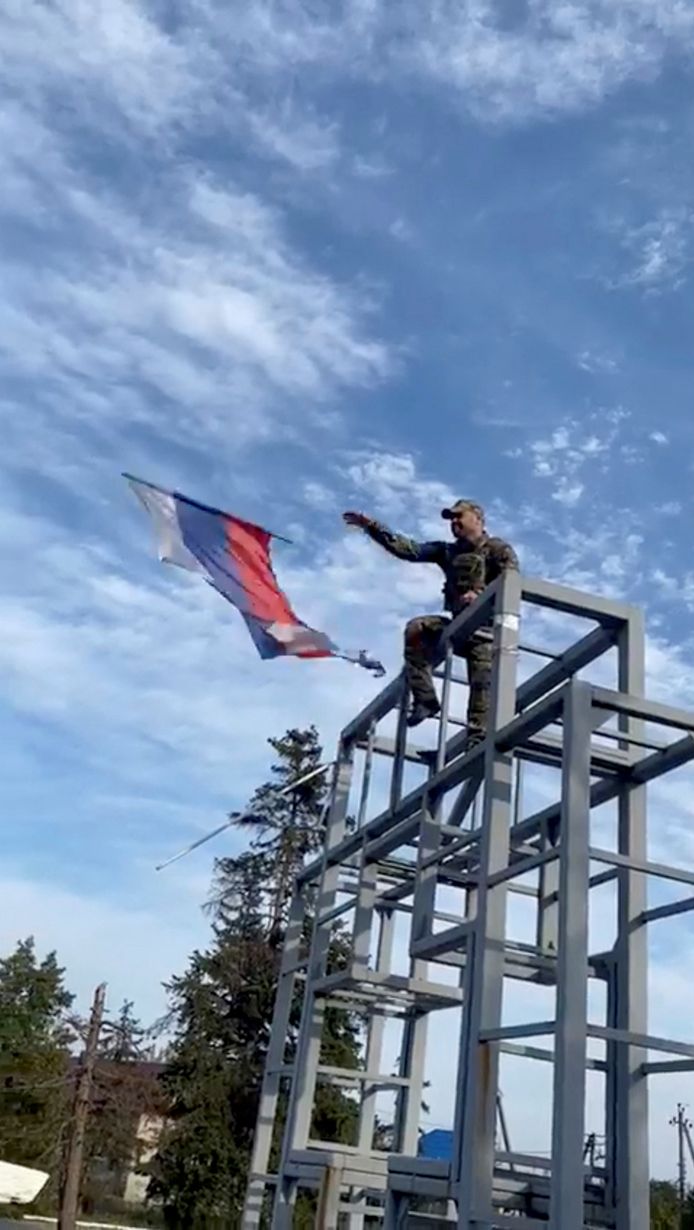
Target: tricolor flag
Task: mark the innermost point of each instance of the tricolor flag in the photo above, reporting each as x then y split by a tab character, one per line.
234	557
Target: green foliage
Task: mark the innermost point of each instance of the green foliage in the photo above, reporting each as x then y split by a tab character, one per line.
665	1210
34	1056
284	830
222	1008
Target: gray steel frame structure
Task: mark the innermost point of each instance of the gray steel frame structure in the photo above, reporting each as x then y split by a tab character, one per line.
463	827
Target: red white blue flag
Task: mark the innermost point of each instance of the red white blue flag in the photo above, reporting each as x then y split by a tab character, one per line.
233	556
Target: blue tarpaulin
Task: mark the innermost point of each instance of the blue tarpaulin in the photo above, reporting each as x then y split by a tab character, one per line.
437	1145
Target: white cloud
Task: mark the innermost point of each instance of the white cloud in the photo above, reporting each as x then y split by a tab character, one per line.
548	60
554	58
575	452
671	508
111	53
318	496
597	363
209	307
391	483
659	251
568	493
305	142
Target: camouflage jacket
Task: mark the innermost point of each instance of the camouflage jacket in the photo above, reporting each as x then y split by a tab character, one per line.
465	567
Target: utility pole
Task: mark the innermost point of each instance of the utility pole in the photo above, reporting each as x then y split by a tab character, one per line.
70	1193
683	1125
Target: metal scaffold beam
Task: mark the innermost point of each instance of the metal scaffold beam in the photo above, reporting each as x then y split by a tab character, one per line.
418	876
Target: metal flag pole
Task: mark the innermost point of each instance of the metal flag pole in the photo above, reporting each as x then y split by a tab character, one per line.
323	768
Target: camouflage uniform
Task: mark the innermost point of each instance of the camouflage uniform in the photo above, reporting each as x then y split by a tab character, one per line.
466	568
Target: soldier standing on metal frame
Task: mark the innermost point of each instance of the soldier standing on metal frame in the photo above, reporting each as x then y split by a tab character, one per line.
470	563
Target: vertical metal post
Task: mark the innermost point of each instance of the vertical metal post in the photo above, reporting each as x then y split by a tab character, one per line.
567	1185
426	878
400	746
366	779
262	1142
374	1042
548	905
547	932
631	958
411	1066
611	1116
482	1009
300	1109
364	913
327	1213
445	706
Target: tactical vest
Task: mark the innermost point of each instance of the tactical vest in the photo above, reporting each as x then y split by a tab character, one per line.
466	568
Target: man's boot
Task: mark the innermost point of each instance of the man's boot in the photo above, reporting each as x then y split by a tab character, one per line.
473	739
428	707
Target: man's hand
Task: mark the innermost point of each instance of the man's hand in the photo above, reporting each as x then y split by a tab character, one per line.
356	519
468	598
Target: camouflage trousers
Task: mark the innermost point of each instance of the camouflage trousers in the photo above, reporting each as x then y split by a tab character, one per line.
422	636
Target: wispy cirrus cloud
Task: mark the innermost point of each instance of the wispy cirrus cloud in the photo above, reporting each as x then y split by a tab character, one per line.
506	66
206	311
547	58
659	251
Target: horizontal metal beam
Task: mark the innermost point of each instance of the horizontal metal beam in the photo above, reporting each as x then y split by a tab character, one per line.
602	759
537	1029
643	1042
602	877
646	710
545	1056
663	870
530	721
348	1076
667	911
338	910
523	867
667	1066
432	946
385	843
388	747
574	602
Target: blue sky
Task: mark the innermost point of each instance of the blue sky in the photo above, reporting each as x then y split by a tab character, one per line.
287	263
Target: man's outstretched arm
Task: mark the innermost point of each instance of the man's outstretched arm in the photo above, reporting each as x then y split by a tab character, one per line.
396	544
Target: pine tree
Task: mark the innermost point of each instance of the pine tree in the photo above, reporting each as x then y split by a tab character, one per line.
124	1039
222	1006
285	828
34	1057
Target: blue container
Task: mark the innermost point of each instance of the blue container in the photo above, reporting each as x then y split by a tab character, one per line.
437	1145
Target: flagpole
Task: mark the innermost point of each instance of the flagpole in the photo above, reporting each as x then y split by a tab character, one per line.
322	768
218	512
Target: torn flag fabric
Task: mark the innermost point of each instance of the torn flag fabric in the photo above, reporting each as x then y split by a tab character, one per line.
233	556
